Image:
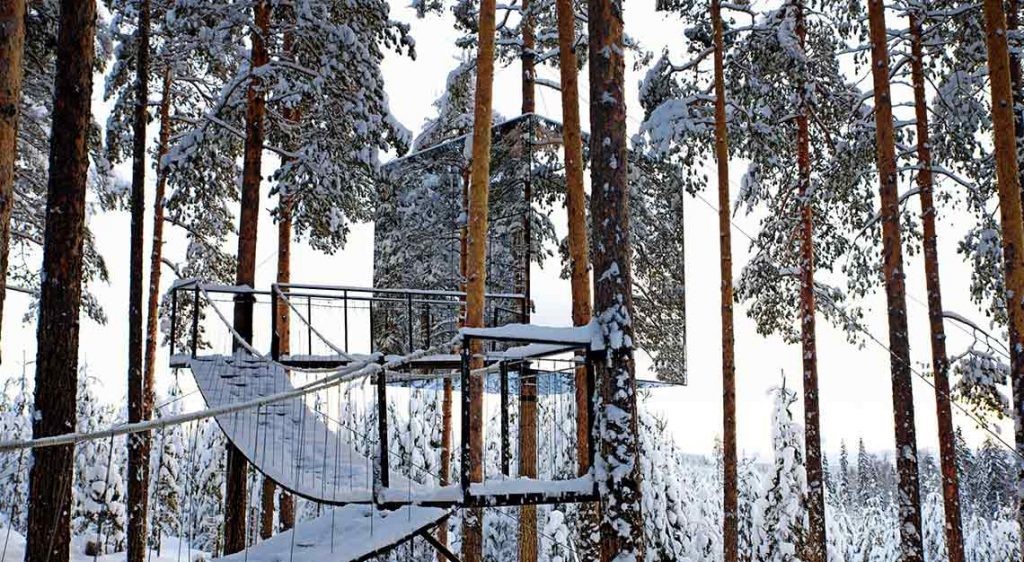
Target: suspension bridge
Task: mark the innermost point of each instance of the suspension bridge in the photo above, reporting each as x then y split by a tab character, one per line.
312	414
311	438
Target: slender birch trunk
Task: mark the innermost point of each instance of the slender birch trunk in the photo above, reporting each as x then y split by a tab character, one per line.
940	361
1010	213
237	467
816	541
895	291
12	48
730	500
613	296
51	473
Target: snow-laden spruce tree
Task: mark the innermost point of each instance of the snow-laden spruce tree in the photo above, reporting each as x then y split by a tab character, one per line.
783	521
167	475
15	424
99	510
206	489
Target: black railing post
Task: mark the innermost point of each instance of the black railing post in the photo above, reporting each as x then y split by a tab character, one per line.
382	425
506	448
195	320
309	325
174	319
373	343
275	337
591	397
430	327
408	317
464	465
345	296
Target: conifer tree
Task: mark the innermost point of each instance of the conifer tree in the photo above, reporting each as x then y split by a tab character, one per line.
476	266
167	475
60	298
618	460
15	424
783	521
1008	178
245	274
895	289
940	360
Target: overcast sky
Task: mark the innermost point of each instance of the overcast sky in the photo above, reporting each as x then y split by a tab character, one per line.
855	386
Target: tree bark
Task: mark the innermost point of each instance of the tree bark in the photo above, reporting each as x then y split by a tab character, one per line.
730	500
12	47
579	257
237	467
446	397
1010	213
940	361
153	302
816	541
49	500
613	303
527	385
476	265
895	291
291	115
284	276
139	407
1016	77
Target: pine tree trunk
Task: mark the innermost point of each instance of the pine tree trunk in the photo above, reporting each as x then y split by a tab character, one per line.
527	385
237	467
446	397
613	294
1016	77
895	291
940	361
139	408
156	252
816	542
49	500
284	338
579	257
476	266
292	116
12	47
1010	213
527	464
730	501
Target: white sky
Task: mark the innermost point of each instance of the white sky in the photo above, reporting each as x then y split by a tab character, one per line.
855	387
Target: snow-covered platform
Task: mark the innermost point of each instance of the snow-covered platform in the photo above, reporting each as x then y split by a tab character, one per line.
344	534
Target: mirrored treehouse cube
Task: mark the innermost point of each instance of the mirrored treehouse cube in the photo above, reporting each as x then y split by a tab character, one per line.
422	209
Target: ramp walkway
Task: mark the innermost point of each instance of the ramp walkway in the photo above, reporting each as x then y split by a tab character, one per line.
351	533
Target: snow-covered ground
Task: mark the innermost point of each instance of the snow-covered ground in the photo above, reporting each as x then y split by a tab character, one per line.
12	549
